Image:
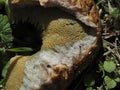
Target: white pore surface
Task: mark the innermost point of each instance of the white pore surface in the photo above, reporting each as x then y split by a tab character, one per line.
36	71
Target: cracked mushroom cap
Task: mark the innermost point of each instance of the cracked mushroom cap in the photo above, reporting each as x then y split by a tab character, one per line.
69	46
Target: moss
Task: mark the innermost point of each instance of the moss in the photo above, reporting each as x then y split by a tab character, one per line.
61	32
17	64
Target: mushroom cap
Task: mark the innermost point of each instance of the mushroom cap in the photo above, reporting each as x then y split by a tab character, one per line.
69	46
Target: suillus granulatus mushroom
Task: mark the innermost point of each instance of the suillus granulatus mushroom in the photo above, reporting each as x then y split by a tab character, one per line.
68	44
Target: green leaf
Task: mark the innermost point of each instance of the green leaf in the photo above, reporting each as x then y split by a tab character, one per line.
20	49
105	43
2	49
106	9
109	82
117	79
119	72
115	13
101	68
99	2
109	66
5	29
5	69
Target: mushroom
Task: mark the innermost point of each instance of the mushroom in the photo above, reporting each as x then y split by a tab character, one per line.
69	45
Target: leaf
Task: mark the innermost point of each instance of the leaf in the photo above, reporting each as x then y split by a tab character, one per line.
110	51
117	79
119	72
109	66
105	43
109	82
2	49
20	49
5	29
5	70
101	68
115	13
106	9
99	2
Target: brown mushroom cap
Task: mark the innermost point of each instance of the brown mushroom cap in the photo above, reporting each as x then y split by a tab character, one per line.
68	48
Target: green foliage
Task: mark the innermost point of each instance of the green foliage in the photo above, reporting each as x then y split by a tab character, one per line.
6	50
109	66
110	7
117	79
110	73
2	2
5	69
110	82
20	49
5	29
6	36
115	12
110	17
119	72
